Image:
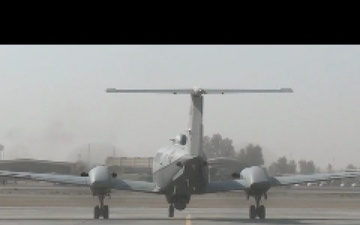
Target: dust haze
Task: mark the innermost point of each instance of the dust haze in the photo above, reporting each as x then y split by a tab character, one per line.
53	100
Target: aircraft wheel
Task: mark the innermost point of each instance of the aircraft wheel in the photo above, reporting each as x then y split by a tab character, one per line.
171	210
252	212
261	212
96	212
105	212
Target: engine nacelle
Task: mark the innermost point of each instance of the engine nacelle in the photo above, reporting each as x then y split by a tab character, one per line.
256	180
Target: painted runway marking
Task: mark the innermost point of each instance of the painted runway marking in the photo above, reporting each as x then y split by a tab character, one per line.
188	219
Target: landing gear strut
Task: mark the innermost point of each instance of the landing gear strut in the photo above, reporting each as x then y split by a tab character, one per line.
101	210
257	209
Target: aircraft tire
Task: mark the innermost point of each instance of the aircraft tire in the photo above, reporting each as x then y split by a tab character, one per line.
261	212
252	212
105	212
171	210
97	212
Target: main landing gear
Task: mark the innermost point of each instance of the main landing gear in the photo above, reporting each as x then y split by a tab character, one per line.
257	210
101	210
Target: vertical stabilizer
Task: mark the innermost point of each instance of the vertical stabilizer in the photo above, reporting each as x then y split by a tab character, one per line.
196	126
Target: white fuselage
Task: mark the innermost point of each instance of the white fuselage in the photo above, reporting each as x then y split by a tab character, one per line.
166	164
174	166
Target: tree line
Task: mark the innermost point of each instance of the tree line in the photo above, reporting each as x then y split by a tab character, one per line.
251	155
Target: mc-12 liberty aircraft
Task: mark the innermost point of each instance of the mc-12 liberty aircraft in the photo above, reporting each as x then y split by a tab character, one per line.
181	169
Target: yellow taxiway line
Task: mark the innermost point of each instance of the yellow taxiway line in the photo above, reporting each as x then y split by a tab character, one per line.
188	219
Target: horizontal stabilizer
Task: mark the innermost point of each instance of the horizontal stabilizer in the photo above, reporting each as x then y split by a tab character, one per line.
160	91
199	91
232	91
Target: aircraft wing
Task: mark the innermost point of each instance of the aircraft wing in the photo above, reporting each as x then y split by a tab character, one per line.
141	186
131	185
49	177
223	186
240	184
296	179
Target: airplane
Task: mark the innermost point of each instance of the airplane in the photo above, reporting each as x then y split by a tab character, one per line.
181	169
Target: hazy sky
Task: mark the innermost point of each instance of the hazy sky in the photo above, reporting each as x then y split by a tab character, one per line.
53	100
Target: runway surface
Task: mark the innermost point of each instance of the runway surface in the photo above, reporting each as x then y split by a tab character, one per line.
38	205
152	216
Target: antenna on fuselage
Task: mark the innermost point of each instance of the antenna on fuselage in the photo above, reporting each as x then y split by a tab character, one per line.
196	109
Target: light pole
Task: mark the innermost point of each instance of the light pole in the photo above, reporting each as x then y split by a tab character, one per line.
2	151
114	151
89	152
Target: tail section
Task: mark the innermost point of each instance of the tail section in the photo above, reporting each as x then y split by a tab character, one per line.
196	114
196	127
196	109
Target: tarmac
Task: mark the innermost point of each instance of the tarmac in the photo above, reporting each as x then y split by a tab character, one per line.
47	204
